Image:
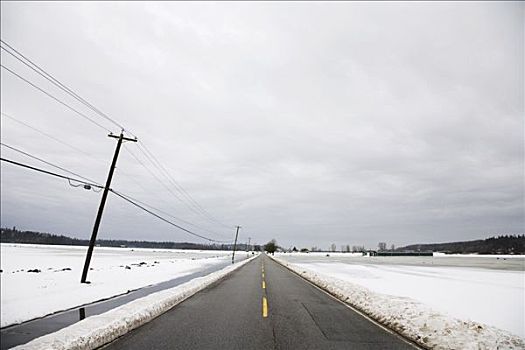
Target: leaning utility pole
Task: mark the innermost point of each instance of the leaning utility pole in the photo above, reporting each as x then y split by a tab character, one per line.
235	244
102	203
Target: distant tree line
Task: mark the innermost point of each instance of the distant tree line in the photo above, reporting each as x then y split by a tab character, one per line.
12	235
503	244
346	248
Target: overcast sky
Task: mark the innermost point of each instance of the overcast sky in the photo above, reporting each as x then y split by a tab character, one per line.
311	123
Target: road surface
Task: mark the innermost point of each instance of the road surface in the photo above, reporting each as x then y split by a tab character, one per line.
260	306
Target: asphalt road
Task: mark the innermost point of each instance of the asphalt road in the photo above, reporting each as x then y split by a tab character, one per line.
260	306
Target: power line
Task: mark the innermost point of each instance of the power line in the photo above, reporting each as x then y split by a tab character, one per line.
33	66
162	183
46	162
50	173
176	184
192	204
125	197
44	133
168	176
155	176
36	68
163	219
55	98
70	146
79	150
170	215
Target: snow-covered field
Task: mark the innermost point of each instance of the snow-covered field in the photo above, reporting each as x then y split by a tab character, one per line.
95	331
431	293
27	295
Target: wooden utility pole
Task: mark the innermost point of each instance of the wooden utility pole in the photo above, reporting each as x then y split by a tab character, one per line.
102	204
235	244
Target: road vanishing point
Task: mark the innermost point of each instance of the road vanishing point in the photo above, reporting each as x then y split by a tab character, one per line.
262	305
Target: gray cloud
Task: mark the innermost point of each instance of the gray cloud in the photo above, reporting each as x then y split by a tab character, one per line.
309	122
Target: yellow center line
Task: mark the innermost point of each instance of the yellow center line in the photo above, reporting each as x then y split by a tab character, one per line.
265	307
264	301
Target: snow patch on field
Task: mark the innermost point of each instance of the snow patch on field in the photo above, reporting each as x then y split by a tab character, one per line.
411	318
98	330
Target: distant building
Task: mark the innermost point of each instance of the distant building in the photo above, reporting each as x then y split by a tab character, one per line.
388	253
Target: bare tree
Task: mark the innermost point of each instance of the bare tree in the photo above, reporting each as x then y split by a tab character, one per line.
381	246
358	248
393	247
333	247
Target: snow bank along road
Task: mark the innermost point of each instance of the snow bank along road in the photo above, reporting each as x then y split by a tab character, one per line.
448	306
93	332
261	306
27	331
28	295
54	286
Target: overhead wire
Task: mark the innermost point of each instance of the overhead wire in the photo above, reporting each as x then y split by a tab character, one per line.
172	216
121	195
157	178
193	204
164	219
45	162
49	172
57	83
45	134
39	70
149	170
79	150
123	173
55	98
33	66
174	182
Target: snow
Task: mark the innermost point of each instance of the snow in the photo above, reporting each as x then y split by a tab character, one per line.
463	293
438	307
501	256
98	330
28	295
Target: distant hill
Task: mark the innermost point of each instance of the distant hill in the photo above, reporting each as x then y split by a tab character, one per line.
8	235
506	244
